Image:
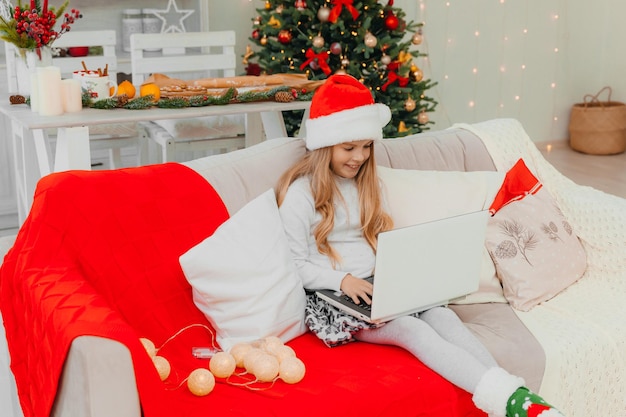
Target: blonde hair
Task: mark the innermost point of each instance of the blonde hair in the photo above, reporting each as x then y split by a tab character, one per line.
316	165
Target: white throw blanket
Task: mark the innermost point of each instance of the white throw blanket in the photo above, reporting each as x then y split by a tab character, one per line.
583	329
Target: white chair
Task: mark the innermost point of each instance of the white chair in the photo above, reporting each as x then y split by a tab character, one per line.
190	55
112	138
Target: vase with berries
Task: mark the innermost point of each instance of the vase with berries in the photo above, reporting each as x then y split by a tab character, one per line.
31	28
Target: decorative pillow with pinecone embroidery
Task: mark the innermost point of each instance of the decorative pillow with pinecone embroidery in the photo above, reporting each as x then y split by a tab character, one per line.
534	248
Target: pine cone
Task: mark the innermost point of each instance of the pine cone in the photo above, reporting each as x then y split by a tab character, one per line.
284	97
122	100
17	99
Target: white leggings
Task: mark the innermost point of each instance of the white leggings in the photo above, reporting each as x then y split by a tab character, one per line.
441	341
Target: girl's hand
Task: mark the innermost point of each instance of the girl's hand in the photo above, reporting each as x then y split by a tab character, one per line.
356	288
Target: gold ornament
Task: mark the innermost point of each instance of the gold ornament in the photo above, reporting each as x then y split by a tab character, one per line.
418	75
318	41
402	127
239	351
385	59
263	40
273	22
416	39
149	346
370	40
247	55
341	71
345	62
291	370
280	8
268	5
162	366
323	14
422	118
410	104
404	57
200	382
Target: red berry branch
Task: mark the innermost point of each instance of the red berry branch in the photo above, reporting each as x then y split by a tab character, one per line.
34	27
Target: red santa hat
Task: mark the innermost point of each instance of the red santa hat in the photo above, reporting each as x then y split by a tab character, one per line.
343	110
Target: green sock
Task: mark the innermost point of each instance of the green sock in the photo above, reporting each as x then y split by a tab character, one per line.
525	403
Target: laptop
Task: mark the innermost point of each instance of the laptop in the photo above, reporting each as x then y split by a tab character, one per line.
421	266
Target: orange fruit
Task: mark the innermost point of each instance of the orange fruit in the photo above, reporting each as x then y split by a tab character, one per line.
150	88
126	87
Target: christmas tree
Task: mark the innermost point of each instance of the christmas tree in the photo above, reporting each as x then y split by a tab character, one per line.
363	38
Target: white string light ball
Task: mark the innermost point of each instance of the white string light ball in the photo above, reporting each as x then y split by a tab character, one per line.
162	366
201	382
222	365
149	346
267	359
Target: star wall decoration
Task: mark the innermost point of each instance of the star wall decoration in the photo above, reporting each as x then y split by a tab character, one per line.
172	17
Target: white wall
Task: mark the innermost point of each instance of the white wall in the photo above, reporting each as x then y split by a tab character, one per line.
529	60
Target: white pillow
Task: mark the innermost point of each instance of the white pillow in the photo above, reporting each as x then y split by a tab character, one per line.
535	250
415	196
244	279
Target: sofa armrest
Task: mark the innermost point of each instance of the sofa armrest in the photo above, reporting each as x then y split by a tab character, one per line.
98	380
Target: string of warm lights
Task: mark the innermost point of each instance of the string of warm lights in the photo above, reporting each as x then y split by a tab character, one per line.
495	60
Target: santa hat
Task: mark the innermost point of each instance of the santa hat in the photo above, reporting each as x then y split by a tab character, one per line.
343	110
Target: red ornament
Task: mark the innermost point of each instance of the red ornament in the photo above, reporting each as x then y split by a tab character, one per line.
255	34
300	5
391	21
253	69
335	48
284	36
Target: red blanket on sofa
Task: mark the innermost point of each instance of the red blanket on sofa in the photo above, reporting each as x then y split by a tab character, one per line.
98	255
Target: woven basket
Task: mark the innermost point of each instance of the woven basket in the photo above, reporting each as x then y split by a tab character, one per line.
598	127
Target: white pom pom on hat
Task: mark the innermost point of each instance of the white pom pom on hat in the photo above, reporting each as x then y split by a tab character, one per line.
343	110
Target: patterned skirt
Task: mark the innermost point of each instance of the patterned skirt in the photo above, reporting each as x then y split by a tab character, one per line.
331	325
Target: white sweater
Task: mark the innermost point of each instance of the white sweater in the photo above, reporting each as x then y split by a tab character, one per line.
300	219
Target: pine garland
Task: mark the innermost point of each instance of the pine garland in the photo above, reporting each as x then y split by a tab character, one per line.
105	103
140	103
229	96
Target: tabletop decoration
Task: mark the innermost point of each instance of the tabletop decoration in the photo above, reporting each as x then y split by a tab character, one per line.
30	27
228	96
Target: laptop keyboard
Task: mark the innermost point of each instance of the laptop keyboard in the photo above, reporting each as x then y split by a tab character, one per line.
362	304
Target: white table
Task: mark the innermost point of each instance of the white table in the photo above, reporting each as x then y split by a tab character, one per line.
31	148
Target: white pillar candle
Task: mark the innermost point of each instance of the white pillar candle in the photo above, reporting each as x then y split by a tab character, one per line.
72	100
50	94
34	92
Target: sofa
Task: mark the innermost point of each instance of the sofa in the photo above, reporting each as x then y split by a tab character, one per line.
95	267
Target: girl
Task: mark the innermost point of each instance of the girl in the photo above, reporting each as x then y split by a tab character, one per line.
331	206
